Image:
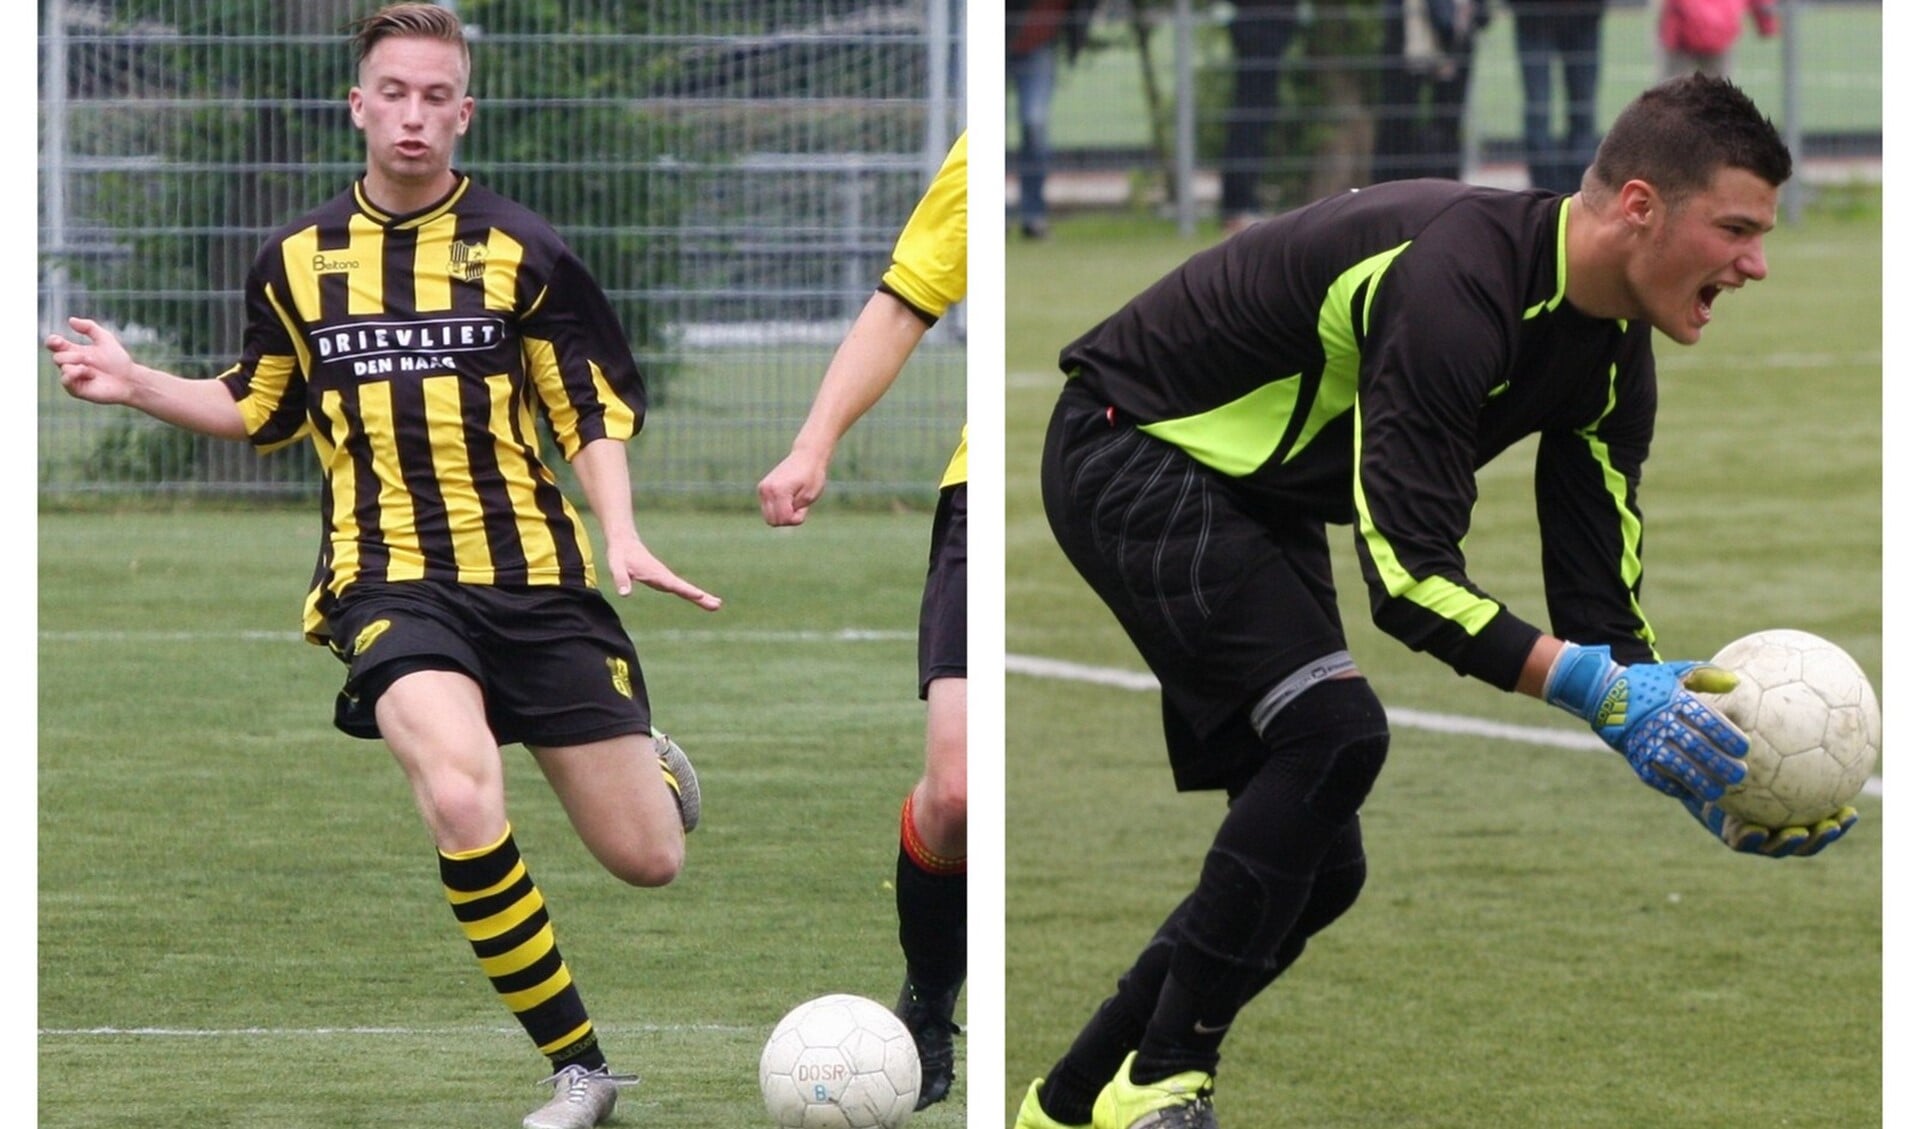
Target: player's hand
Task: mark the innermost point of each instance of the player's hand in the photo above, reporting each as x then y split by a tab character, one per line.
1649	713
791	488
628	561
1779	843
99	371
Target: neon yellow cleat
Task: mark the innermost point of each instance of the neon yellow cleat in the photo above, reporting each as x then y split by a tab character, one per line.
1033	1117
1184	1101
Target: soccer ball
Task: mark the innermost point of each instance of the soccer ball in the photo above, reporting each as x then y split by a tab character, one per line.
840	1062
1813	723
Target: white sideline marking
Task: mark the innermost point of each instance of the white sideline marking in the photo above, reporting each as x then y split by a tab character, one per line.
843	635
1412	719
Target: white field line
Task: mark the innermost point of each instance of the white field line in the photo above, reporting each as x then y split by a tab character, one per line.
1411	719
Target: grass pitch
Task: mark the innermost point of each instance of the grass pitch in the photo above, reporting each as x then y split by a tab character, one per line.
1544	942
240	922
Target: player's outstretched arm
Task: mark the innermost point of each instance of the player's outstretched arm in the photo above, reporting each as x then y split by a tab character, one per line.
865	365
100	371
1675	742
602	467
1650	714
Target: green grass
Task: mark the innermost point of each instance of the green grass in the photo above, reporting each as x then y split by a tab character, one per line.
1544	942
239	915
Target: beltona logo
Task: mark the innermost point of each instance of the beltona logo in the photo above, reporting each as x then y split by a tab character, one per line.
324	265
622	678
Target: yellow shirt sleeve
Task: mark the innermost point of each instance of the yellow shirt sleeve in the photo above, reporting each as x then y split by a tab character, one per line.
929	269
957	467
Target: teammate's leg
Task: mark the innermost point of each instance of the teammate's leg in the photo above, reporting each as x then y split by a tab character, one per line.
930	889
930	872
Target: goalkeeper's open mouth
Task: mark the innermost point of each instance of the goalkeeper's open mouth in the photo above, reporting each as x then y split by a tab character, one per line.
1703	302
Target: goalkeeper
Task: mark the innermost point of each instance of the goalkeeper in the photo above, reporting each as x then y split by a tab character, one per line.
1356	362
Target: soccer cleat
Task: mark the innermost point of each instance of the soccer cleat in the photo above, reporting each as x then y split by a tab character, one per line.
582	1098
1183	1101
1031	1116
678	771
930	1019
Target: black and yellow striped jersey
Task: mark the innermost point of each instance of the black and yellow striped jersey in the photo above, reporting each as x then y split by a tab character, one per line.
1359	359
929	267
417	352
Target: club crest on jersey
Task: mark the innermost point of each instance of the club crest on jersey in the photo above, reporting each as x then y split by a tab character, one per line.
466	262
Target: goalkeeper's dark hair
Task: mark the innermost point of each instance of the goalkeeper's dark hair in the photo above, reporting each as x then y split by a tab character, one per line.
409	21
1677	135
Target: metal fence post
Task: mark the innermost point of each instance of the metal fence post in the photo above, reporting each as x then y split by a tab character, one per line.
1185	144
1790	94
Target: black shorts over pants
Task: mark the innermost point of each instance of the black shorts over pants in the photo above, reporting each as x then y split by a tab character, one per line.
554	664
943	604
1221	601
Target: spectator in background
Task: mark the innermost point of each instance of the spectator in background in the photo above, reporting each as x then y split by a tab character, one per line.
1261	31
1038	33
1695	35
1568	30
1427	59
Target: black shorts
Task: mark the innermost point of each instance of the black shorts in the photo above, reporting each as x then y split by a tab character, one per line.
1221	601
943	605
554	664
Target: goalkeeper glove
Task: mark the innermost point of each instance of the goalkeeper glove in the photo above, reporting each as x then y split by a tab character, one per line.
1779	843
1648	713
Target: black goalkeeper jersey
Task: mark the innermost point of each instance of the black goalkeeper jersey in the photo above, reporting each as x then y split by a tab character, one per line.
417	352
1359	359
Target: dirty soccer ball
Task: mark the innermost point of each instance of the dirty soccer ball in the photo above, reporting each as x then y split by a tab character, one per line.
840	1062
1813	721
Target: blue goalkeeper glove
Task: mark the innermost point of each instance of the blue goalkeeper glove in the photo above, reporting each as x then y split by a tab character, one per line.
1648	713
1778	843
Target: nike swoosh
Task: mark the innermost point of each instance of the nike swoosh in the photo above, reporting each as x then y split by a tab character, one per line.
1200	1028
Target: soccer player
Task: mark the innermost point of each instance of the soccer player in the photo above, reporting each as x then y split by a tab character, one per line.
928	274
414	327
1355	362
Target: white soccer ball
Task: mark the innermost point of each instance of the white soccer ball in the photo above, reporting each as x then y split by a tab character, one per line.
840	1062
1813	722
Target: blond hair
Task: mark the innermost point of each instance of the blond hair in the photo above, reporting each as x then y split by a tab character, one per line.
410	21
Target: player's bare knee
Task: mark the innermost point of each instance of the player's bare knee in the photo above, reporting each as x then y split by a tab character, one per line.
462	810
649	864
943	800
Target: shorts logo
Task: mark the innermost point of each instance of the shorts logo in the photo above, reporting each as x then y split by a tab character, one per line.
622	679
368	635
467	262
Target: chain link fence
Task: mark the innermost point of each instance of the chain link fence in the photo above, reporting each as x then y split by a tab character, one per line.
1204	110
733	171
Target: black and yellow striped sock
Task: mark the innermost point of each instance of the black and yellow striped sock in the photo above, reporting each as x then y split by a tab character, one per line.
505	920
